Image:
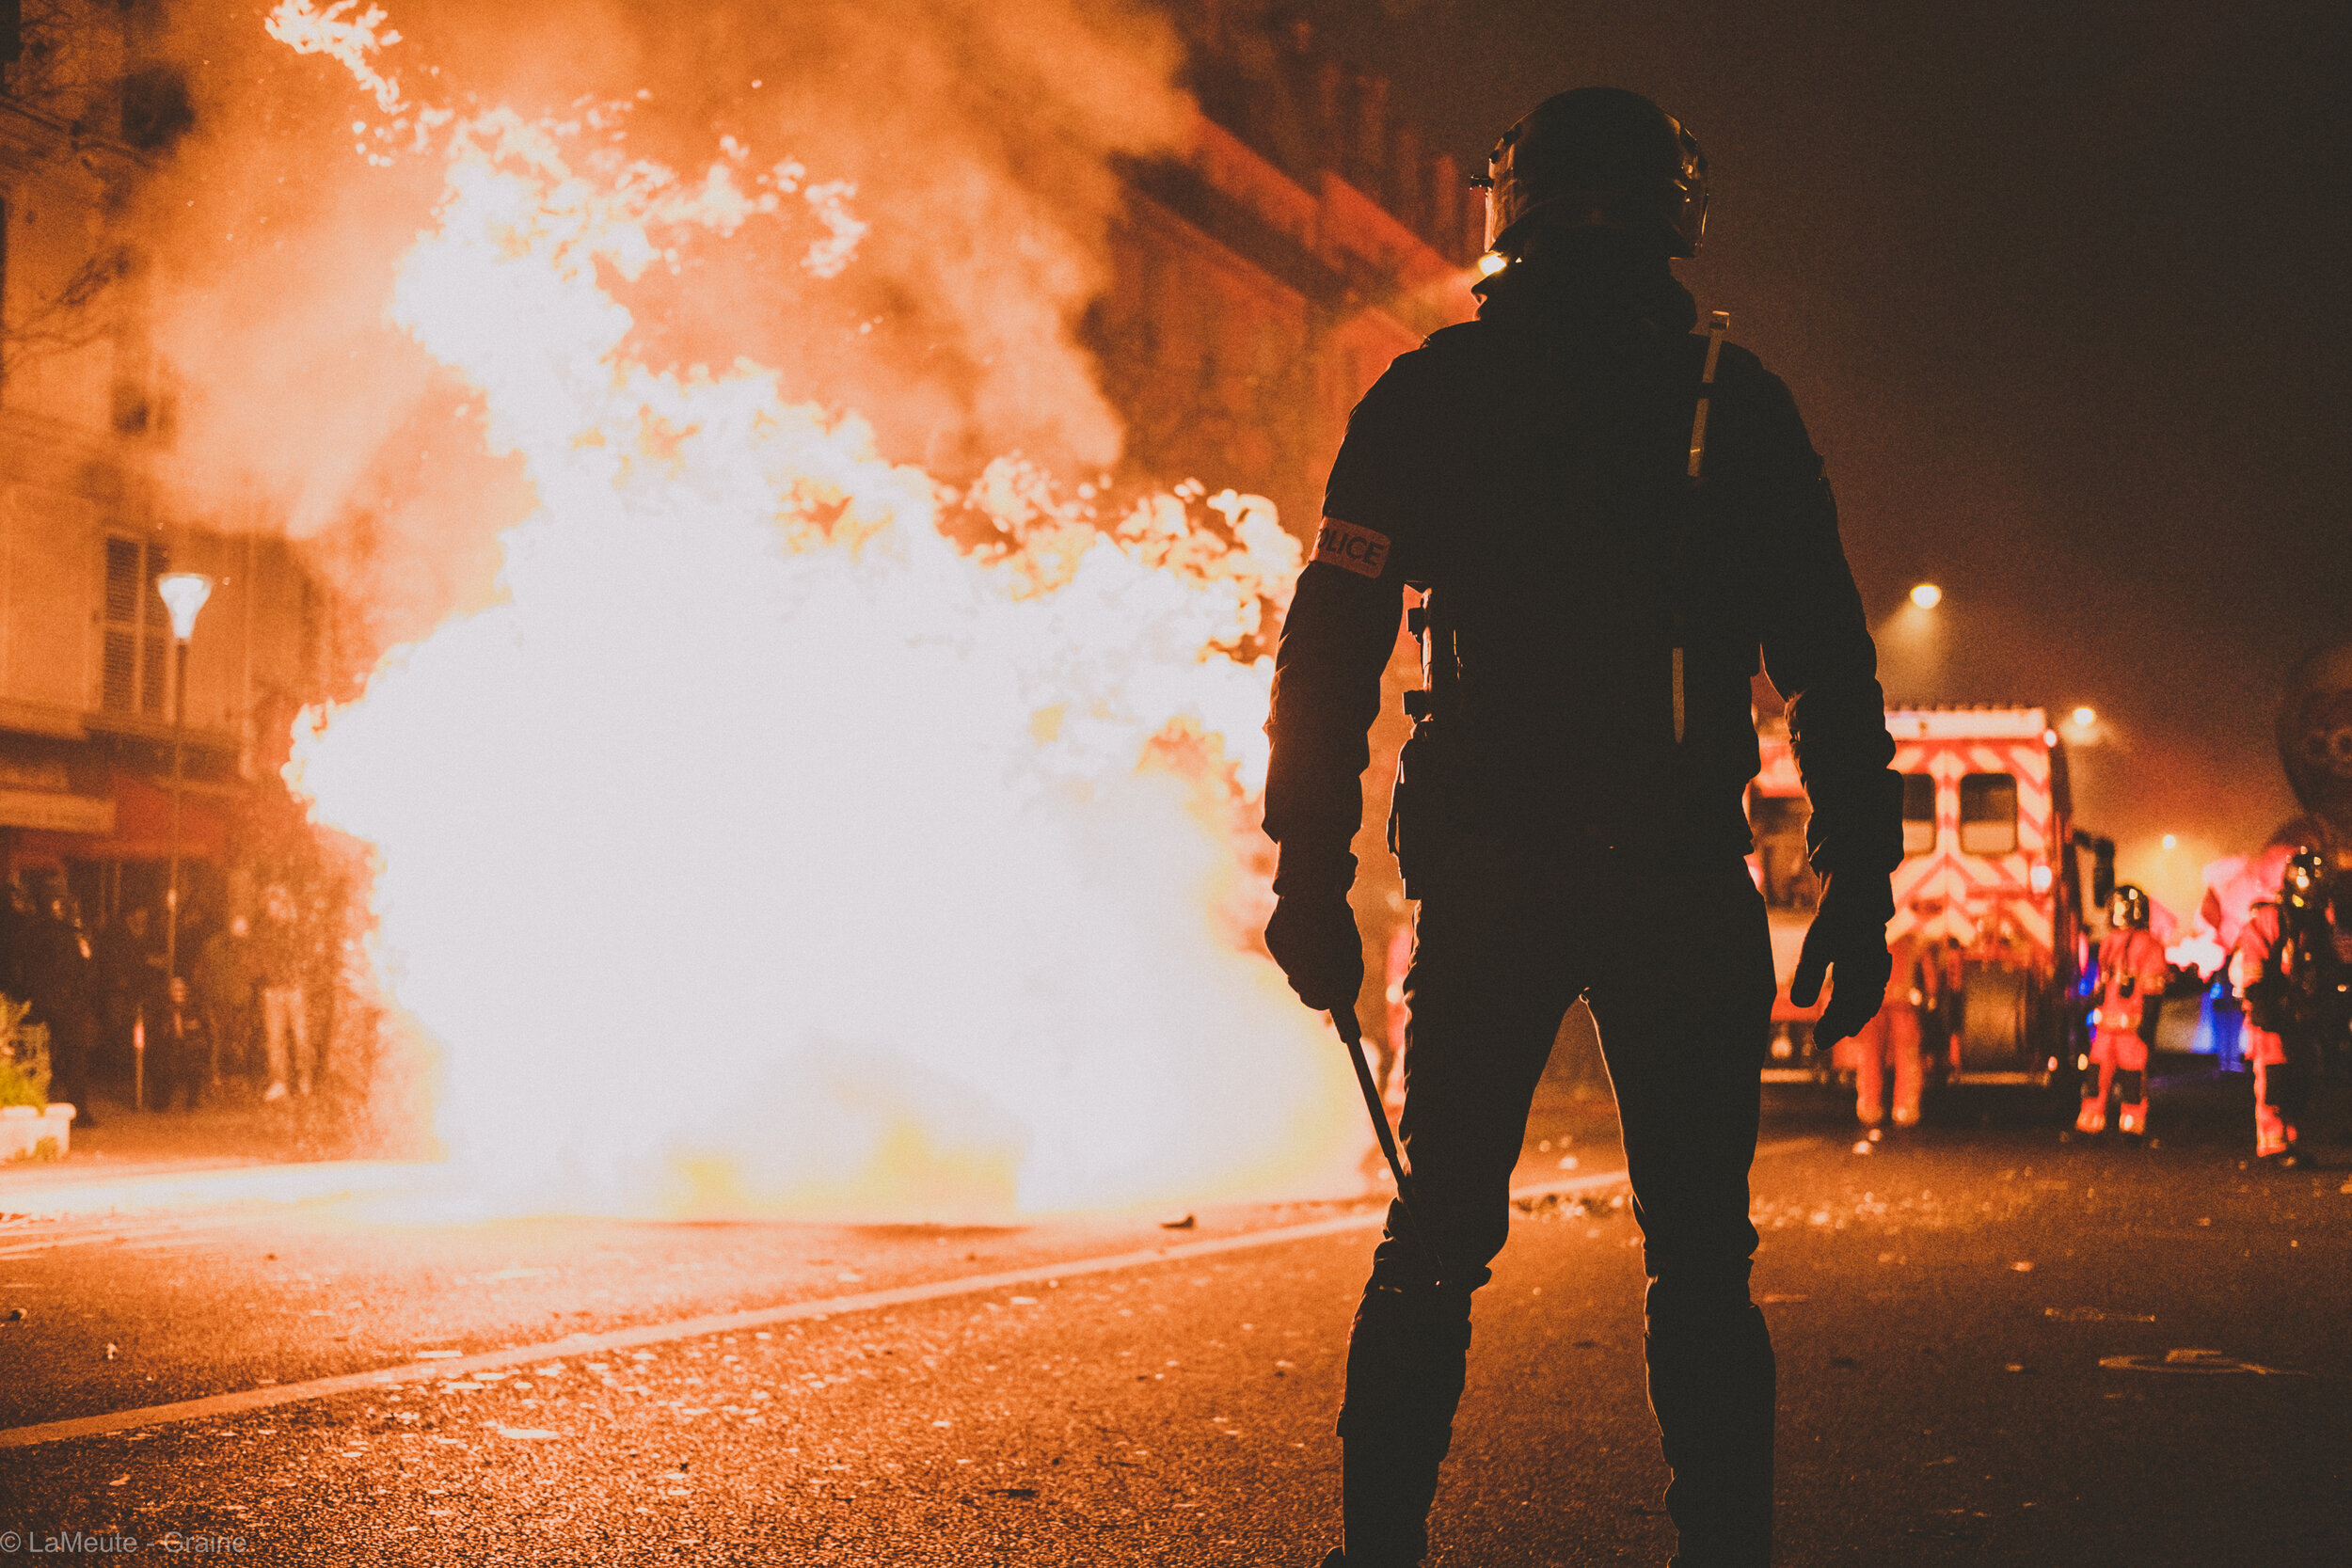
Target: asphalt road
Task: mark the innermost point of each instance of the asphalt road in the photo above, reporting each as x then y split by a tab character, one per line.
1996	1347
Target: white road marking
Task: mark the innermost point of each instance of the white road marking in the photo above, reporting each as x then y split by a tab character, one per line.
733	1323
306	1182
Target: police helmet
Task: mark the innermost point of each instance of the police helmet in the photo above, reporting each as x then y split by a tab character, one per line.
2127	910
1604	147
2306	874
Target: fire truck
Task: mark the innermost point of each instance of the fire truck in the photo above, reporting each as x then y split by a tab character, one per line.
1992	882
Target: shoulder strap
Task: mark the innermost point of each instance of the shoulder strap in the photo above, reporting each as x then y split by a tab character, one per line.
1717	324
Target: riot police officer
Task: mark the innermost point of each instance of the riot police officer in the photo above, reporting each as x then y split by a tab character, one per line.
1611	518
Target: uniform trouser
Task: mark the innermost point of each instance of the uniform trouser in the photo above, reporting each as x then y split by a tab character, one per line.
1890	1038
2282	1088
1675	963
2122	1059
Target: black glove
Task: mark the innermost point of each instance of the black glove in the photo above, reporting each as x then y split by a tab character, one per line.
1849	935
2267	1003
2150	1010
1314	937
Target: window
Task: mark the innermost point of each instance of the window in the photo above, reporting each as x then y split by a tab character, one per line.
1778	822
1918	813
1988	813
137	652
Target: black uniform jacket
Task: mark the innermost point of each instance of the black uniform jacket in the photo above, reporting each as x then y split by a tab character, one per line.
1530	468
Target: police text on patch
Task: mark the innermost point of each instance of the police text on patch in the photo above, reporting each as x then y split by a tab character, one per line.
1351	549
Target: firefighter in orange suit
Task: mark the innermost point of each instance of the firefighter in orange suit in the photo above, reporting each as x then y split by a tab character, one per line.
1391	1064
1892	1039
2132	971
2293	981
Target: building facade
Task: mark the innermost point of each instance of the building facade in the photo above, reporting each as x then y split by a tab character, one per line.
88	514
1265	276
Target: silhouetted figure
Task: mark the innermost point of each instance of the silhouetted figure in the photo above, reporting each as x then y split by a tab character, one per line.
282	954
179	1051
17	919
129	958
1887	1047
61	988
2295	978
228	982
1602	581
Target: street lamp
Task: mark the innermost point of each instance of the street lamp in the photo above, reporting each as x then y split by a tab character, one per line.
2085	718
184	595
1926	595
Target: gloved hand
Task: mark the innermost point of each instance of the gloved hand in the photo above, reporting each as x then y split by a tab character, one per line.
1314	937
1848	936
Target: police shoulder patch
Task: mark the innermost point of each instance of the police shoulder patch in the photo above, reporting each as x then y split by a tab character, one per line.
1351	549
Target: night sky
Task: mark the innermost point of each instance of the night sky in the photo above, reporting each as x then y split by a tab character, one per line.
2061	291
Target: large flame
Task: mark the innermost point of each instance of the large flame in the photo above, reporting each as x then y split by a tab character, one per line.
764	848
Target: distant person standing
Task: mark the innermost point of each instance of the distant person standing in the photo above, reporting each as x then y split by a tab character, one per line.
282	958
227	991
129	971
179	1050
60	987
2294	982
2132	971
1888	1045
1389	1068
16	931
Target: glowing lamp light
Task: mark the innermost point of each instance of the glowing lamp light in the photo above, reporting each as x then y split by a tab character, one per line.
2049	737
1926	595
2040	878
1491	263
2171	841
2085	717
184	595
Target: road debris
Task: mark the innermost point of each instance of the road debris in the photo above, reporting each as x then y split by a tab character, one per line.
2198	1362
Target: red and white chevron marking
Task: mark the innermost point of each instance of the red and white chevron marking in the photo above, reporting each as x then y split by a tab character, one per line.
1944	895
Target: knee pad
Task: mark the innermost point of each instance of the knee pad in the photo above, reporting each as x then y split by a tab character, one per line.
1405	1360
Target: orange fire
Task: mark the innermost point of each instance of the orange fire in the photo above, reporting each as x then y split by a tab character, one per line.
764	849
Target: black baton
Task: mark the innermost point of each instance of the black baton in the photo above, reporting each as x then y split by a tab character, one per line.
1352	1034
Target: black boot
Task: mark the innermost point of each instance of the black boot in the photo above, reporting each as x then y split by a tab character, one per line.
1711	1388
